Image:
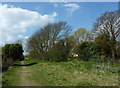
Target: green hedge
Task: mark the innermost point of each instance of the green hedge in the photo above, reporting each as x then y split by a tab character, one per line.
11	53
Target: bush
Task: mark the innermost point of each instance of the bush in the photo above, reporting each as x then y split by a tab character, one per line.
88	51
59	52
105	48
11	53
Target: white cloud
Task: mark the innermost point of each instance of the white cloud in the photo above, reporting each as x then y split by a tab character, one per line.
72	7
16	21
26	37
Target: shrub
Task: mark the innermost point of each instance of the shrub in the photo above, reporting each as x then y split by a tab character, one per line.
88	51
11	53
59	52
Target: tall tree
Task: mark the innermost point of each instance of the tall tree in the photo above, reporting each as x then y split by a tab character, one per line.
46	37
82	35
109	24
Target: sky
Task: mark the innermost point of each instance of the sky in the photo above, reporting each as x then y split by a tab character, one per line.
20	20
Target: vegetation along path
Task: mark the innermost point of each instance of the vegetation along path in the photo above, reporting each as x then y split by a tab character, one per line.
70	73
19	75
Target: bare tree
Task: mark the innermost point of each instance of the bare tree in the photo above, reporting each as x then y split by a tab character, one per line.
19	41
45	38
109	25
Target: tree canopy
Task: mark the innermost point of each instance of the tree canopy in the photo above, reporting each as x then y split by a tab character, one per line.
109	25
11	53
46	37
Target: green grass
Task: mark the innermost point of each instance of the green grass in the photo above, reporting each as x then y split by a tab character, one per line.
70	73
11	77
75	73
28	61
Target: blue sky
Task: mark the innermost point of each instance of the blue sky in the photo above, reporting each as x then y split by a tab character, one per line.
76	14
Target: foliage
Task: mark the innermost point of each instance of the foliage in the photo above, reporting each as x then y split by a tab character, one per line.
81	35
108	25
104	46
100	44
16	51
11	53
60	51
45	38
118	51
88	51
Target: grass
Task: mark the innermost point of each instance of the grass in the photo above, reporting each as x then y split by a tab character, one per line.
70	73
74	73
11	77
